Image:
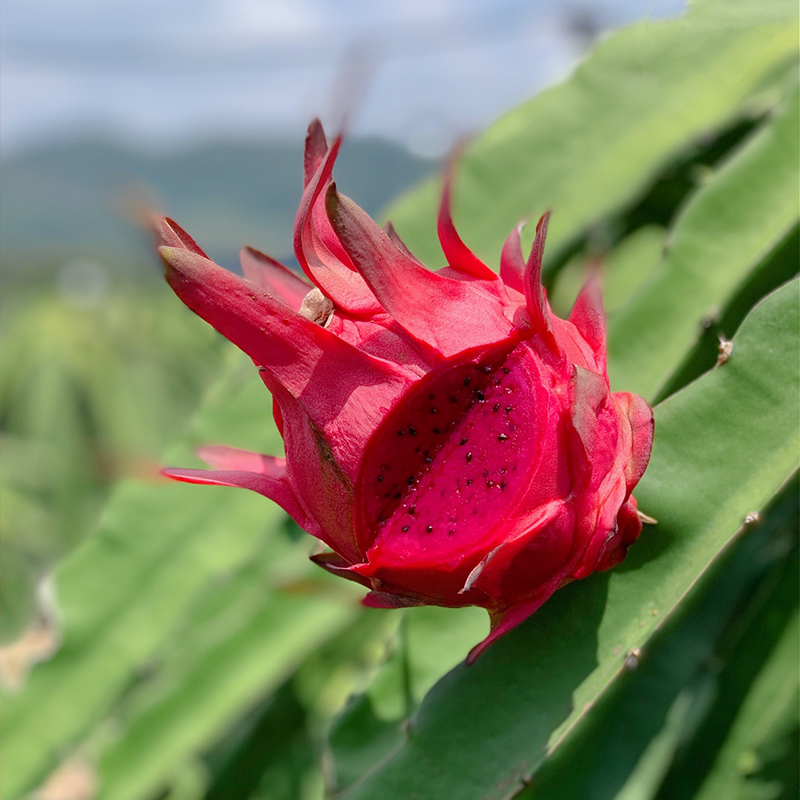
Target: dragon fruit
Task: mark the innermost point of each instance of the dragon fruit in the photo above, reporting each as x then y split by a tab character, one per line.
449	438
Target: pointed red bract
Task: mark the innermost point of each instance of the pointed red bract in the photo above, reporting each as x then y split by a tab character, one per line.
223	457
274	278
399	283
169	233
389	230
457	254
339	566
589	319
640	416
245	470
450	438
349	387
535	299
320	481
328	269
316	149
512	263
508	618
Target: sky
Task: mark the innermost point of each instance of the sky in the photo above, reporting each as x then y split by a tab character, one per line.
161	74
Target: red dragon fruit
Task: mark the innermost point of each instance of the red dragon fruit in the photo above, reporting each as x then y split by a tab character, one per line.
450	439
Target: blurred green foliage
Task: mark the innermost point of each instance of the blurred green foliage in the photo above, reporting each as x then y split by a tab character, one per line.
202	656
89	394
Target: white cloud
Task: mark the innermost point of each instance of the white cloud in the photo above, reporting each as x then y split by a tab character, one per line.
273	20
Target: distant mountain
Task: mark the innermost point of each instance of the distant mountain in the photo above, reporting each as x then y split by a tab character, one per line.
79	200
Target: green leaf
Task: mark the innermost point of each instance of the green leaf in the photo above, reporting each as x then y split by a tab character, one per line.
84	402
275	744
590	146
778	267
188	783
672	712
17	591
646	778
174	573
431	641
759	759
733	222
251	657
724	446
272	734
624	269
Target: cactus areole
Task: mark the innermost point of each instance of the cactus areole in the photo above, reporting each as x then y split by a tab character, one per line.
450	439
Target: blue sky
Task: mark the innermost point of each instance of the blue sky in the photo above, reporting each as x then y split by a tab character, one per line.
165	73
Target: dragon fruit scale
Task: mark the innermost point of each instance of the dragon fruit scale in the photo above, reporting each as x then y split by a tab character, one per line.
450	439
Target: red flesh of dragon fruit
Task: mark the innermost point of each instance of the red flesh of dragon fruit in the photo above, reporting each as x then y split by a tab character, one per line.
446	435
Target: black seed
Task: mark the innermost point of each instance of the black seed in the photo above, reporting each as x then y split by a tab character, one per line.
433	411
467	381
452	399
400	433
428	460
469	457
486	473
427	453
429	528
496	407
450	533
404	528
509	409
431	396
412	510
463	441
412	430
506	370
503	470
436	430
410	480
387	495
398	496
380	478
489	484
469	481
479	394
502	437
487	370
503	484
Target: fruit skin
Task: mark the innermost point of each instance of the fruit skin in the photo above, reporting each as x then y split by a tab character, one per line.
447	436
